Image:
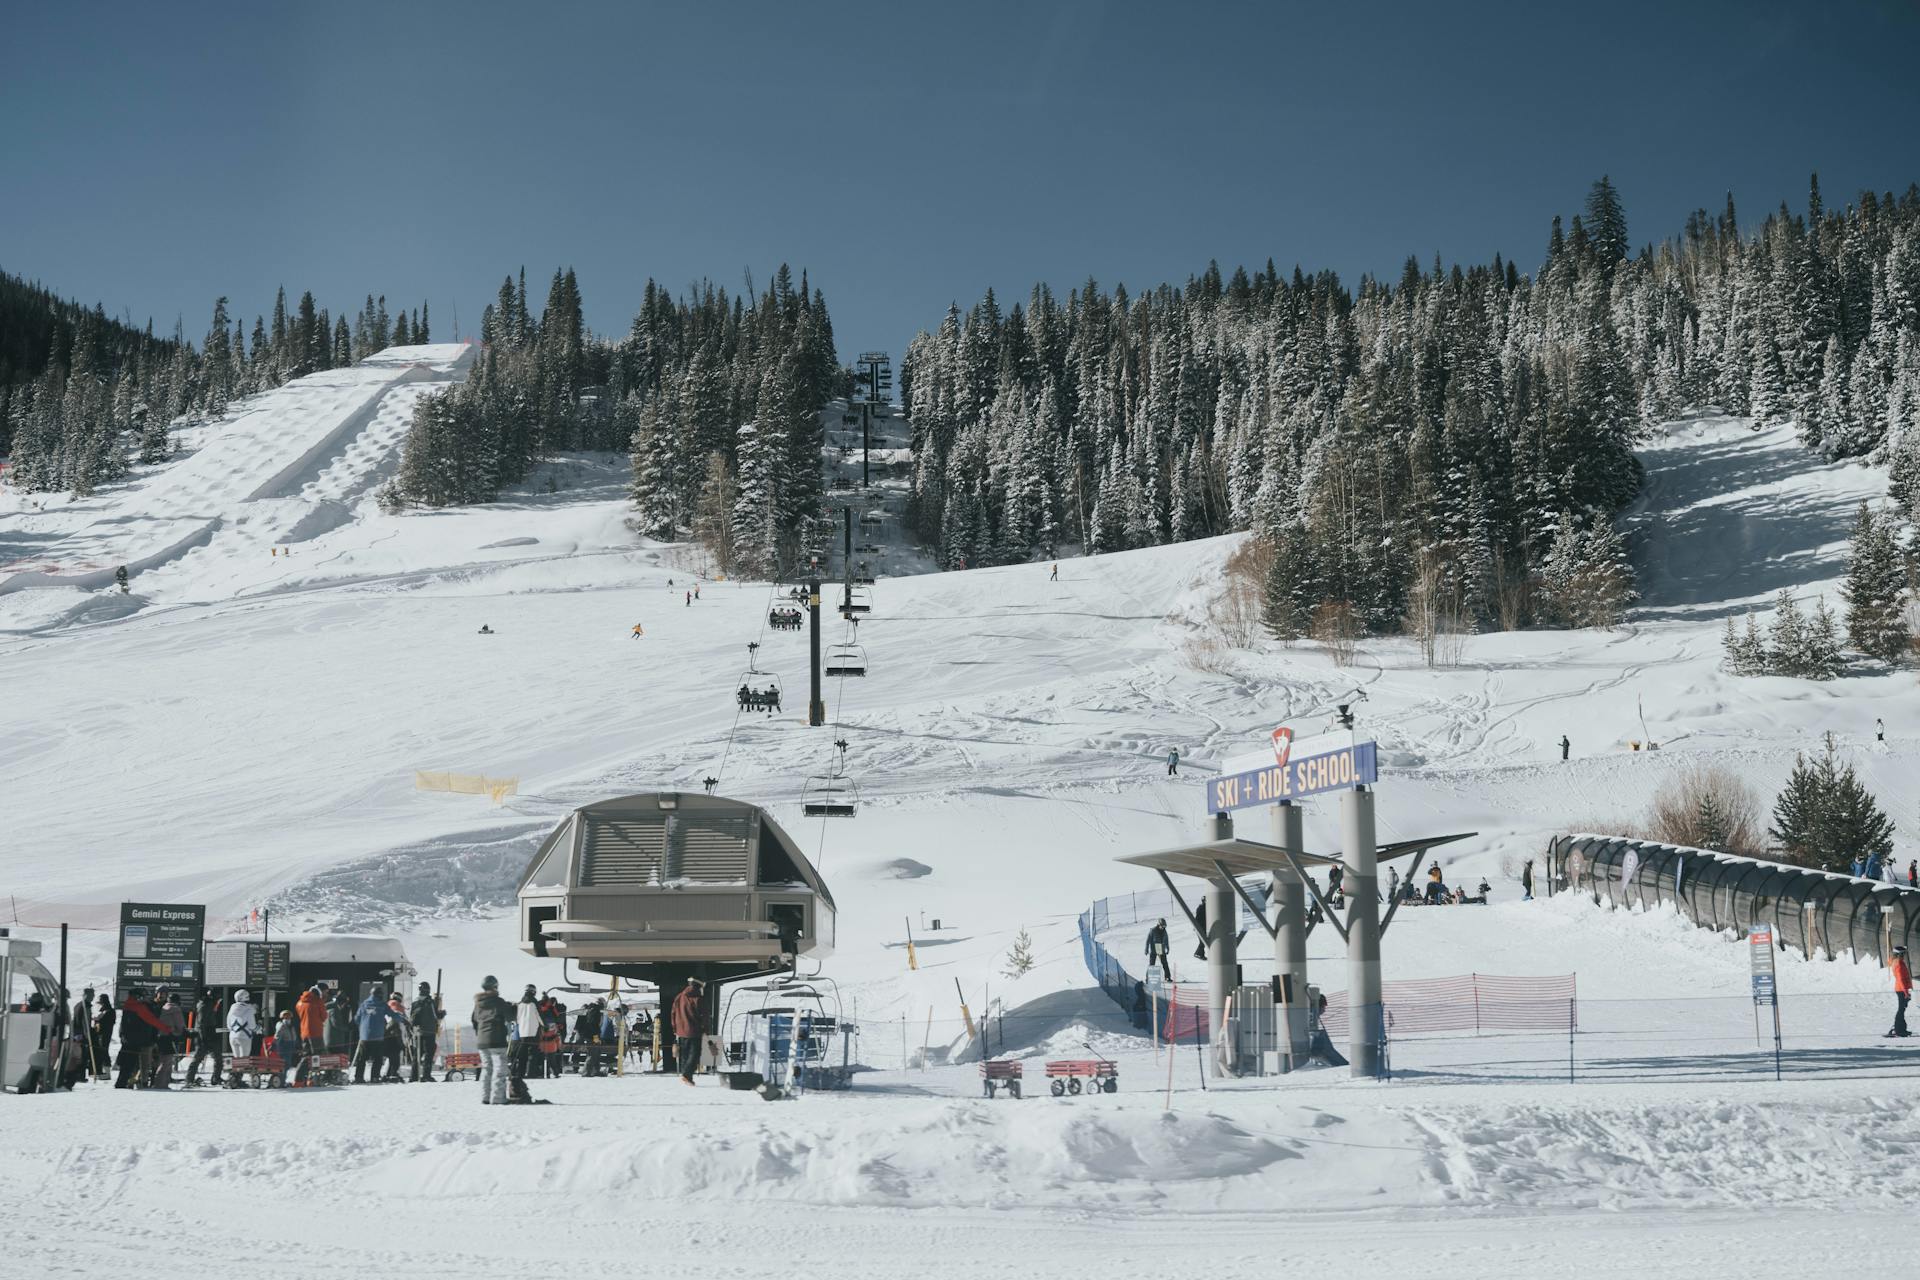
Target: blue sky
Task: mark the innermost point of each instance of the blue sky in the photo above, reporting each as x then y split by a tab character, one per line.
905	155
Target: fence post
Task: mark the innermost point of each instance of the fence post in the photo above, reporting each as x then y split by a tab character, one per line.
1569	1041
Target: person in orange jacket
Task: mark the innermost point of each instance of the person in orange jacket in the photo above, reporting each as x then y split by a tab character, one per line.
1902	992
311	1010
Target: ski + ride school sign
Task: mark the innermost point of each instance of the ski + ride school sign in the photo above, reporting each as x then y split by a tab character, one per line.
1291	770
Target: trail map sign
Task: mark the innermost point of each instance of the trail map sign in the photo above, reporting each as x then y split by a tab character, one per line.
267	965
1760	954
1292	769
160	943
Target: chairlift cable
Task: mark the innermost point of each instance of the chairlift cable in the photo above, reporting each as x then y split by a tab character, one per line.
773	586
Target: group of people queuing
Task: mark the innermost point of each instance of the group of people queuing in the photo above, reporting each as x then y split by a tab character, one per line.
162	1041
1875	867
532	1038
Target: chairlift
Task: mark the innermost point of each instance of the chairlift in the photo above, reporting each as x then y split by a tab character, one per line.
873	517
832	794
856	600
846	660
757	690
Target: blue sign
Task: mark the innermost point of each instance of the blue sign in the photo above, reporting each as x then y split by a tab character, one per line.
1338	770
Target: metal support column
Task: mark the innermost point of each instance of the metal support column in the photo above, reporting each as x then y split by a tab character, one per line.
816	705
1289	898
1366	1020
1223	961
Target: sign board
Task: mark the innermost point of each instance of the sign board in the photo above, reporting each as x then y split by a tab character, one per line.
1629	865
267	965
160	943
1760	958
1293	769
226	964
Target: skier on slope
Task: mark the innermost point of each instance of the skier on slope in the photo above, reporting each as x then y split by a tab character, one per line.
637	632
1902	992
1565	747
1526	881
1157	948
1173	762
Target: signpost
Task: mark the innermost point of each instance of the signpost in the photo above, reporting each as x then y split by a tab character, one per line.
1311	766
268	964
1760	963
160	943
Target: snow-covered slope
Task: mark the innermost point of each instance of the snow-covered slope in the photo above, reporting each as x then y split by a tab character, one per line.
252	734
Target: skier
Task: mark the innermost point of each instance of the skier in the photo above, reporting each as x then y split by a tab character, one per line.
1173	763
427	1014
689	599
206	1038
1879	730
686	1028
637	632
312	1009
171	1042
120	577
371	1019
103	1020
696	591
1902	992
1157	949
1055	575
527	1023
491	1016
1526	882
1565	747
243	1024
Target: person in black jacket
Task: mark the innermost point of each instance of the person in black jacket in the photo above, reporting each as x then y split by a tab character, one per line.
1157	947
209	1034
491	1017
103	1020
140	1031
426	1015
340	1023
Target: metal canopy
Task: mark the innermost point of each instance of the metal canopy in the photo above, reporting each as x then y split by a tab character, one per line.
1238	857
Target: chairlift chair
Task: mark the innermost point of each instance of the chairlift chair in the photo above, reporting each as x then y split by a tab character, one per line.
760	689
831	795
846	660
858	600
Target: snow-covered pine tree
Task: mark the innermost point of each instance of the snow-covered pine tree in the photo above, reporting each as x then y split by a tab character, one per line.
1787	638
1820	656
1875	590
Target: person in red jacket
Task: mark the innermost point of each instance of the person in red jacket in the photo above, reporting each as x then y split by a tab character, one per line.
686	1028
311	1010
1902	992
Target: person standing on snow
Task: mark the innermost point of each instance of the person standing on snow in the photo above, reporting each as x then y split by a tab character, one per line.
427	1014
527	1021
1173	763
1902	992
243	1024
207	1030
1913	874
371	1021
1158	949
689	599
103	1020
1055	575
686	1028
140	1030
286	1042
1565	747
1526	881
396	1037
340	1022
312	1011
491	1016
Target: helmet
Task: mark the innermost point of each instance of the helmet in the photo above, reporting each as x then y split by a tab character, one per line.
241	994
489	983
1899	951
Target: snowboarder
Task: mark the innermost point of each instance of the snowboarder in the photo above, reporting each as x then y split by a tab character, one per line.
1157	949
491	1016
686	1028
1526	881
637	632
1902	992
1173	763
427	1014
1565	747
120	577
485	630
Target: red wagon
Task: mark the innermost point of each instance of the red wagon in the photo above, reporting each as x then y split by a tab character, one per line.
1077	1075
1002	1074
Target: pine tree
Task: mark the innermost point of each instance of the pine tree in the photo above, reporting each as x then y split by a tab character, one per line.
1020	954
1820	657
1787	640
1825	817
1876	589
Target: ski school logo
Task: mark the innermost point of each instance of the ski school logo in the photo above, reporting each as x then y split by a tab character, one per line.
1282	745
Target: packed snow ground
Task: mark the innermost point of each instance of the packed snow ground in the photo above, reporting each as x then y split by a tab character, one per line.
242	730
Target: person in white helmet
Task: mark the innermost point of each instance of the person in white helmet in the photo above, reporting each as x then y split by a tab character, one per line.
243	1025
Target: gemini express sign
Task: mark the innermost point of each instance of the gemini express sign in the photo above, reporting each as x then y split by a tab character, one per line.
1332	762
